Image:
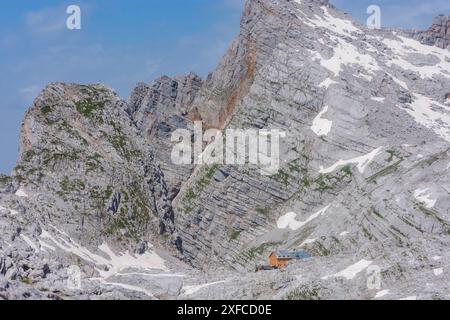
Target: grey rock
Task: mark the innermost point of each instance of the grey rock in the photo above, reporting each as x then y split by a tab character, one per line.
438	34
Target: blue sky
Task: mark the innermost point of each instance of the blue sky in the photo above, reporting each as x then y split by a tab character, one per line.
124	42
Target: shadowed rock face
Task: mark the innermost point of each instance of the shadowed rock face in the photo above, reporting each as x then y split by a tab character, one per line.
438	34
158	110
364	177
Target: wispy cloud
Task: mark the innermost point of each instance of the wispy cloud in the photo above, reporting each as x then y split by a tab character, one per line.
29	93
46	20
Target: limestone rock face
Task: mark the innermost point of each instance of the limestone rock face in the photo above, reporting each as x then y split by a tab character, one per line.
96	209
158	110
438	34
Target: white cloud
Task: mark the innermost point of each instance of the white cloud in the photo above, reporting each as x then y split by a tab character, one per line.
47	20
29	93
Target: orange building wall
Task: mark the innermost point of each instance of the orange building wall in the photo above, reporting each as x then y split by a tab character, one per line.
277	263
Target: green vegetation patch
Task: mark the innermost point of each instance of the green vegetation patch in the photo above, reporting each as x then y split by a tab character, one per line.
265	211
200	184
235	234
326	182
88	107
305	292
257	251
46	110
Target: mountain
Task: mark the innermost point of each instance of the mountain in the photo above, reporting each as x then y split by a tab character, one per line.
438	34
363	185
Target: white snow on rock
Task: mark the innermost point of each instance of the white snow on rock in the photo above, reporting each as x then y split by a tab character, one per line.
409	298
326	83
289	220
436	258
152	275
343	234
44	245
352	271
425	197
346	53
337	25
431	114
399	82
321	126
115	263
30	242
381	294
402	47
378	99
189	290
308	241
128	287
439	271
21	193
361	162
10	211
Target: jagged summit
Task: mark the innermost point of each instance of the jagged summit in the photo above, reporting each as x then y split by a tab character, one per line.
438	34
363	183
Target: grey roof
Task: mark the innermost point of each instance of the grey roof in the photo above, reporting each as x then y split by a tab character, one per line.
292	254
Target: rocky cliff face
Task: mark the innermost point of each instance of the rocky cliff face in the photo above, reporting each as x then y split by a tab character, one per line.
438	34
363	185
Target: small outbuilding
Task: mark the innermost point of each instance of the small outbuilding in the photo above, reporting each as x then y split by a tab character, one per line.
280	258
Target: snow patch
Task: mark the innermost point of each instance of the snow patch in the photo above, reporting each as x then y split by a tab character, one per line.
45	245
378	99
409	298
343	234
130	288
189	290
308	241
11	212
30	242
439	271
337	25
436	258
320	126
21	193
399	82
352	271
361	162
347	54
381	294
431	114
289	220
326	83
152	275
402	46
114	263
425	197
